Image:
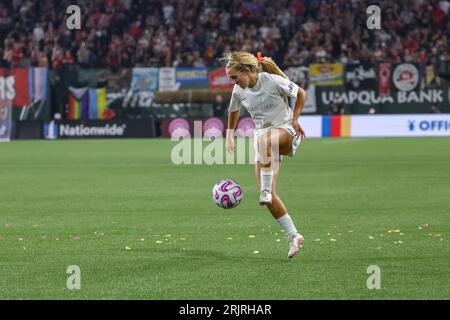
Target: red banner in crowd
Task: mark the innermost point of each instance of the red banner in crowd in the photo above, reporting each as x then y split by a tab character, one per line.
218	80
384	79
15	86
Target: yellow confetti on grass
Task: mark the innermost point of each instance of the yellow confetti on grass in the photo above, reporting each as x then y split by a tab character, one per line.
229	238
251	236
255	252
127	248
333	240
371	238
159	241
278	240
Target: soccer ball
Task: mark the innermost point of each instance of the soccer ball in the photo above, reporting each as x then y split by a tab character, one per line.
227	193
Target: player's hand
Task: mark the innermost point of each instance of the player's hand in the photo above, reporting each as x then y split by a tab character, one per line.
230	145
298	129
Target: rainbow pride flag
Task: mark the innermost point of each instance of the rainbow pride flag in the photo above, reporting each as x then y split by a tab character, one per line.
336	126
78	103
97	103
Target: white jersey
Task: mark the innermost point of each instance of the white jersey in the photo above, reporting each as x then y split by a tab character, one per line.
267	102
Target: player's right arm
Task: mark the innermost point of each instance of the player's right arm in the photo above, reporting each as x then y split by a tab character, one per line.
233	117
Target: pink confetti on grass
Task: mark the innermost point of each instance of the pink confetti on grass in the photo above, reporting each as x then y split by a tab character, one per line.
425	225
76	238
98	233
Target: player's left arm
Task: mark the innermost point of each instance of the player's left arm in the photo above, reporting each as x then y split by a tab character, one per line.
288	88
299	103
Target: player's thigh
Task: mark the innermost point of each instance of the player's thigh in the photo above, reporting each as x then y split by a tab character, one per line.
264	143
284	141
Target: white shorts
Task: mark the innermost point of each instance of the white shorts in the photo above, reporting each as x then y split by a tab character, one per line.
288	128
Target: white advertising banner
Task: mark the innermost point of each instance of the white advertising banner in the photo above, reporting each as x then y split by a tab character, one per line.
312	125
414	125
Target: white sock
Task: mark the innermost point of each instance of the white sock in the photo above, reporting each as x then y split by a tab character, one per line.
288	225
266	180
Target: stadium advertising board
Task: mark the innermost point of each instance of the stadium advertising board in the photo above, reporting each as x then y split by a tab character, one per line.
326	74
218	80
360	76
192	78
415	125
99	129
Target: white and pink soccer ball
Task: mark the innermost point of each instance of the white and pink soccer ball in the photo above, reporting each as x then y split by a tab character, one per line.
227	193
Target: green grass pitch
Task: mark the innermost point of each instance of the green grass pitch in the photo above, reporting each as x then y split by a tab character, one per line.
140	227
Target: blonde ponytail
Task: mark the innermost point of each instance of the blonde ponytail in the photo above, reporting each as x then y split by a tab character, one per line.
239	61
269	66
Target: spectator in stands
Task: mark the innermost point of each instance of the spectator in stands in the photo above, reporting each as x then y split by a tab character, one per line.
292	31
434	109
336	106
219	107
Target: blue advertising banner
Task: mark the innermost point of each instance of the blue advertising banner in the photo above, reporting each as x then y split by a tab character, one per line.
144	79
192	78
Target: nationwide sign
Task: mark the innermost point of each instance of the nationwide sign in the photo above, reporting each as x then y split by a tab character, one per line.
99	129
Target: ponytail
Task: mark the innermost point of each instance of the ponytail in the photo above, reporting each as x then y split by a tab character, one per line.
242	60
269	66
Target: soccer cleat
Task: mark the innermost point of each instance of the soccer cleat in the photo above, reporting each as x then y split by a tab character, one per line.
295	243
265	197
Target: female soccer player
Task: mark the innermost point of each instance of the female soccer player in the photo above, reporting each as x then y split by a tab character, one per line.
264	90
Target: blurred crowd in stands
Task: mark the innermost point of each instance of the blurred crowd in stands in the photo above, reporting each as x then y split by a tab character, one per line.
194	33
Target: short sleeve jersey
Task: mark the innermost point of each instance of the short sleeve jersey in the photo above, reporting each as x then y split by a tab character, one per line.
267	102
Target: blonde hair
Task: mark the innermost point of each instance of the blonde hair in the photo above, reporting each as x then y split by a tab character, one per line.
239	61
